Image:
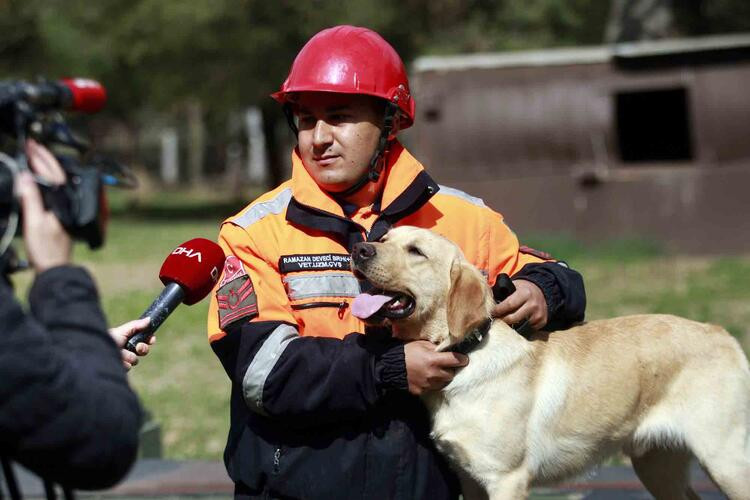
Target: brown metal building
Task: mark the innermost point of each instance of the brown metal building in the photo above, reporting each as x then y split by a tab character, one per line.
633	140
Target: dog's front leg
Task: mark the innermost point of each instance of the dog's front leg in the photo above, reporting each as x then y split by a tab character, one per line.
512	485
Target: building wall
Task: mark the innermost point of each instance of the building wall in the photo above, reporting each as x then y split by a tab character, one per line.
540	144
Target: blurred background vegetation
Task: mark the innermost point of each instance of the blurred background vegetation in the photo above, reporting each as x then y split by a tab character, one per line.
193	65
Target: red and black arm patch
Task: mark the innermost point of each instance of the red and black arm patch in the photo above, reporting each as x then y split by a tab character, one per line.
535	253
235	297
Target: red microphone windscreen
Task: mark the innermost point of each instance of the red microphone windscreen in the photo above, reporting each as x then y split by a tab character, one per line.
89	96
194	265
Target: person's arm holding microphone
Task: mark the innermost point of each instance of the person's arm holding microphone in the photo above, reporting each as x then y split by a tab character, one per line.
46	166
68	413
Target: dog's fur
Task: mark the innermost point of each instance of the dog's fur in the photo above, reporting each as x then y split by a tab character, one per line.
658	387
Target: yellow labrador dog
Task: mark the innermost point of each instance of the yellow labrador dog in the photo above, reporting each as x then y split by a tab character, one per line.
660	388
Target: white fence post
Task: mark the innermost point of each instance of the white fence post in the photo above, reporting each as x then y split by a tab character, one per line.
257	159
169	168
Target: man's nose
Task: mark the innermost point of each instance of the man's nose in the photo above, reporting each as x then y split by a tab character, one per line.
321	134
362	252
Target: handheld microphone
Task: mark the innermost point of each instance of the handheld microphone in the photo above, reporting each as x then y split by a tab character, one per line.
188	273
74	94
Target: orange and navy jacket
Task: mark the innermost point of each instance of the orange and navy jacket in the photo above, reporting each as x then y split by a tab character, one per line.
312	397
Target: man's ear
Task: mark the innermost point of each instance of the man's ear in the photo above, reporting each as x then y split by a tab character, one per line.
396	126
466	299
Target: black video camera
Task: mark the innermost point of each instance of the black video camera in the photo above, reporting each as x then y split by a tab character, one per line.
34	110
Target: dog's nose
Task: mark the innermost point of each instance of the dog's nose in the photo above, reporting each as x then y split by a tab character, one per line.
362	252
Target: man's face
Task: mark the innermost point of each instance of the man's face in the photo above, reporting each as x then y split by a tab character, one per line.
338	134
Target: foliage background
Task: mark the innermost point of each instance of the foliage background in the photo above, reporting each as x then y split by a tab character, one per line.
176	61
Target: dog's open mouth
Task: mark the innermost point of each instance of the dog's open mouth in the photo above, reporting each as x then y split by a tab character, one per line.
382	304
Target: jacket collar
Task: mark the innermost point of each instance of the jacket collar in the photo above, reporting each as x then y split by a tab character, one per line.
407	188
401	171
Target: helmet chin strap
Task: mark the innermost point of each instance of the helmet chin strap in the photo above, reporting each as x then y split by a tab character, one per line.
290	118
377	162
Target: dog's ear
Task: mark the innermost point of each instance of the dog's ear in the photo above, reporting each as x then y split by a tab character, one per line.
466	299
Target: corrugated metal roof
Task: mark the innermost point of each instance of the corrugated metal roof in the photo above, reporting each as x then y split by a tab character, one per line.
547	57
681	45
580	55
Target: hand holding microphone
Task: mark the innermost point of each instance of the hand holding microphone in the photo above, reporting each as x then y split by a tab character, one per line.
120	334
189	273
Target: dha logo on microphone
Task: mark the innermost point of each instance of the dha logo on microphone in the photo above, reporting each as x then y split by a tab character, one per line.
86	83
188	252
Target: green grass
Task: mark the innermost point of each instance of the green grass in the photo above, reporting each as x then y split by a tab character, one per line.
181	382
183	385
635	276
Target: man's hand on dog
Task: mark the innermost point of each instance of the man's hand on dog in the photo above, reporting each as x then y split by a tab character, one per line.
527	302
429	370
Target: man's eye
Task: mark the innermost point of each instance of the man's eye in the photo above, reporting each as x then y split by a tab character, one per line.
416	251
305	120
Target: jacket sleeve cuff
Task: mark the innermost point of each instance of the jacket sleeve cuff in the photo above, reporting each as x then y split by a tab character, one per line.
547	284
390	369
563	290
64	275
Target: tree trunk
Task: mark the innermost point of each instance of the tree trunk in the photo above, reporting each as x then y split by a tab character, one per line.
634	20
169	168
277	161
690	17
257	156
196	145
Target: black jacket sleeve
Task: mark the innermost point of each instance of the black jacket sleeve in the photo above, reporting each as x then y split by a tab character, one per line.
563	290
310	380
68	413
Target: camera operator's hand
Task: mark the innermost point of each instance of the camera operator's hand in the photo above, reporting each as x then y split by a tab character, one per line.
47	243
43	163
121	334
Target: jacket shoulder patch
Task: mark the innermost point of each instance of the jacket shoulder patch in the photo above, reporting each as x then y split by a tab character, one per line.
235	297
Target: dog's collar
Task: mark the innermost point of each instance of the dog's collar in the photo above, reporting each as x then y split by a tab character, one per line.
472	340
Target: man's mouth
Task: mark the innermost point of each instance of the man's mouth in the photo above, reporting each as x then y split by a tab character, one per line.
382	304
325	160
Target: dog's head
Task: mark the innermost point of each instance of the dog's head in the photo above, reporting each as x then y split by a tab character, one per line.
423	286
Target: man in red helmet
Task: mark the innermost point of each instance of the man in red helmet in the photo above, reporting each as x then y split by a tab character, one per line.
319	410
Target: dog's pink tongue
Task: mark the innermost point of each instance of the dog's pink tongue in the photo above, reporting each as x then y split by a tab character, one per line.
365	305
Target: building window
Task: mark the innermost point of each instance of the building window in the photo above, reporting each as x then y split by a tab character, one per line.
653	125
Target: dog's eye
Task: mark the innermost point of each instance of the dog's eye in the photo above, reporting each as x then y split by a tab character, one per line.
415	251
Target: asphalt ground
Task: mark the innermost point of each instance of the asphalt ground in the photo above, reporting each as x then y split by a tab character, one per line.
207	480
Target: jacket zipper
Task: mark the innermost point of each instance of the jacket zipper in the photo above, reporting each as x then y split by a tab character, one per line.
310	305
277	460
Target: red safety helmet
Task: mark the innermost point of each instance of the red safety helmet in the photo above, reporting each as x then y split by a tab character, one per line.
350	60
